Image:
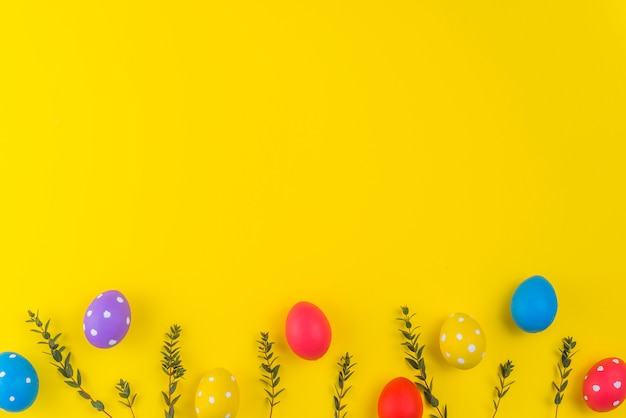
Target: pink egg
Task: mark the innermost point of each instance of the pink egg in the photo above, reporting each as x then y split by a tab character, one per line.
604	387
307	331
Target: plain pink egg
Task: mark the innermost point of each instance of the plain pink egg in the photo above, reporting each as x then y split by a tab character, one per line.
307	331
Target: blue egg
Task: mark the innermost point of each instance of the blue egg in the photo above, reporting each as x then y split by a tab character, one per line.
19	383
534	304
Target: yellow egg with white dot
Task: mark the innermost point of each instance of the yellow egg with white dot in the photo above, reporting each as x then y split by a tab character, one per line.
217	395
462	341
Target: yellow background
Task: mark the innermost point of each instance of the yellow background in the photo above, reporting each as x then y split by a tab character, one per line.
218	161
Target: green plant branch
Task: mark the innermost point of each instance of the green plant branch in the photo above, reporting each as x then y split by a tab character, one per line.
270	371
61	362
505	371
565	369
123	388
416	361
345	373
172	367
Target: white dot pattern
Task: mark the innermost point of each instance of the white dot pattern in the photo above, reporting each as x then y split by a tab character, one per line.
217	395
603	389
19	390
107	319
462	338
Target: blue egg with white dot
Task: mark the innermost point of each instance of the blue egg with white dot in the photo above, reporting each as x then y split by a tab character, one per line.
19	383
534	304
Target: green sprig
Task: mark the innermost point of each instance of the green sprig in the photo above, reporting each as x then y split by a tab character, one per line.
416	361
270	369
505	371
172	366
341	390
565	369
62	361
123	388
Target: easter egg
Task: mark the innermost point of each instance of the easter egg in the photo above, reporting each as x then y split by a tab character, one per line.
217	395
604	386
462	341
107	319
400	398
534	304
19	383
307	331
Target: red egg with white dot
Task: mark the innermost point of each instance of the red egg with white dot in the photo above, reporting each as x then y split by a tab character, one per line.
604	386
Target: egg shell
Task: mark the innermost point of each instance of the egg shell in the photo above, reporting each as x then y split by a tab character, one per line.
107	319
19	383
307	331
534	304
217	395
604	385
462	341
400	398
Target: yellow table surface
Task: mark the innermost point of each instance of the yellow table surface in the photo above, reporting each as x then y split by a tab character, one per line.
219	161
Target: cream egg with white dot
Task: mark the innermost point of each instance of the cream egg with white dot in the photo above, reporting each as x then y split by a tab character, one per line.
467	347
217	395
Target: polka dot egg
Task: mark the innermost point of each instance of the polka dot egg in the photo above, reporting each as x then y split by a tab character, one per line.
604	386
217	395
19	383
107	319
462	341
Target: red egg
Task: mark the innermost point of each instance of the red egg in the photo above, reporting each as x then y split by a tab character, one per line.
400	398
308	331
604	387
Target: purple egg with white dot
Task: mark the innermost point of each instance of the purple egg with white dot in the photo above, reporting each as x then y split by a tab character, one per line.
107	319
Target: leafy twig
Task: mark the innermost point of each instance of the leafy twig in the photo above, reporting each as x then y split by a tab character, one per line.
416	361
172	367
564	370
505	371
123	387
270	368
340	390
61	362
